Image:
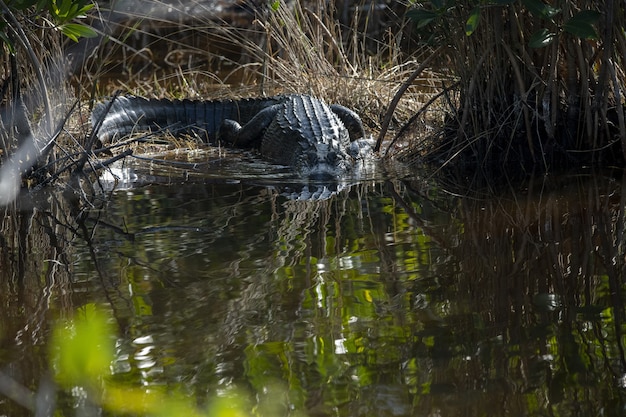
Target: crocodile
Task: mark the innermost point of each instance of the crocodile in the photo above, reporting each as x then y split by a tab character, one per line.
319	141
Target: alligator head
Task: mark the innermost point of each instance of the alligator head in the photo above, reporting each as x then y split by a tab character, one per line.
308	136
323	158
334	157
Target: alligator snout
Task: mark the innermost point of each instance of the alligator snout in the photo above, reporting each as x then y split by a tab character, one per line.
324	163
323	173
330	158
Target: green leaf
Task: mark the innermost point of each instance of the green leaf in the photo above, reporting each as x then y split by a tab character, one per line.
472	22
541	38
422	17
275	5
83	10
581	24
64	8
540	9
581	30
7	42
76	30
586	16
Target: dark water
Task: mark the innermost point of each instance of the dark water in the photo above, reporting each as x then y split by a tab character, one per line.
390	298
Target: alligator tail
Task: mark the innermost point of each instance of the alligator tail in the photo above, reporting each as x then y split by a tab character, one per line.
128	115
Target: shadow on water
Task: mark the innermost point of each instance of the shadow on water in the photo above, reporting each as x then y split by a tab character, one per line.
390	298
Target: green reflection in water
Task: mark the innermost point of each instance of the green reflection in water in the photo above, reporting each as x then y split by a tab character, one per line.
294	288
385	300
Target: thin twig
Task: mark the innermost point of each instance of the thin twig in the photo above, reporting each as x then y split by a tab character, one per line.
104	164
396	99
23	39
522	91
419	113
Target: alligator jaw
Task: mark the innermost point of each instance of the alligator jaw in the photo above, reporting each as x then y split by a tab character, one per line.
321	174
324	172
320	162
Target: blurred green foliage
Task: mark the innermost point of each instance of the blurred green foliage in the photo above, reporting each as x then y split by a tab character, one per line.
436	20
82	350
61	14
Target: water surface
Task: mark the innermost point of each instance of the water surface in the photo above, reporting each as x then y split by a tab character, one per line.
388	298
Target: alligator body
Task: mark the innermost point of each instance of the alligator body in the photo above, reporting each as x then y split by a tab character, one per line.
317	140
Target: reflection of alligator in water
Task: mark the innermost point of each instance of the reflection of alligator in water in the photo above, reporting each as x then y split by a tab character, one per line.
319	141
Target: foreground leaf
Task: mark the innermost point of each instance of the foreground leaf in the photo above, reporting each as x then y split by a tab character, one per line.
74	31
472	21
541	38
581	24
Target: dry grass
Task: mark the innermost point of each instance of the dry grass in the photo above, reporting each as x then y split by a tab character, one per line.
296	48
36	101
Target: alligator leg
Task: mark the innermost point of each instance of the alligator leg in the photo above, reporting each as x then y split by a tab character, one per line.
250	134
350	120
361	148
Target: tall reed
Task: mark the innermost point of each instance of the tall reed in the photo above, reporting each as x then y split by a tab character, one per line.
540	87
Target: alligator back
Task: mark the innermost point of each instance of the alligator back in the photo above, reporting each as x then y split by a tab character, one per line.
304	128
129	114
